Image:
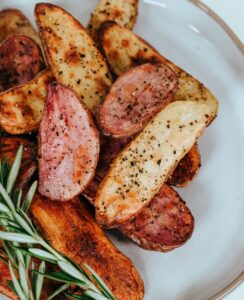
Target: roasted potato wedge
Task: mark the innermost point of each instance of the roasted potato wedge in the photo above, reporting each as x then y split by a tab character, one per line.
68	144
187	169
21	107
164	225
28	167
135	98
70	229
182	176
20	60
125	50
141	169
72	56
124	12
13	21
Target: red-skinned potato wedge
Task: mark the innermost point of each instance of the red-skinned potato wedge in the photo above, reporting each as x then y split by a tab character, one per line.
70	229
187	169
124	50
21	107
28	167
164	225
13	21
141	169
68	145
20	60
135	98
72	56
124	12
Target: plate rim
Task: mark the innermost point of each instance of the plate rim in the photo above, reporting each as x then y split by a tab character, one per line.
205	8
238	43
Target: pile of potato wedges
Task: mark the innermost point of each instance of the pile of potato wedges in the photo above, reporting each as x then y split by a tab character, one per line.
103	117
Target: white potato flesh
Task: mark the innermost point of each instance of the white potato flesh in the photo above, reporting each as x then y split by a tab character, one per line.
140	170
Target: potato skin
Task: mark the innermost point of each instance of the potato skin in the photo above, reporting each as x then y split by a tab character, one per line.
135	98
164	225
20	61
70	229
124	12
21	107
187	169
72	55
13	21
68	144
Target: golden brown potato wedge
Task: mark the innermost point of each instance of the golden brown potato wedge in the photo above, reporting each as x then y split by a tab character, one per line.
124	12
28	167
124	50
187	168
20	60
71	230
141	169
21	107
72	56
13	21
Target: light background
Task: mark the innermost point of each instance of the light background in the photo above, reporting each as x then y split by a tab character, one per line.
232	12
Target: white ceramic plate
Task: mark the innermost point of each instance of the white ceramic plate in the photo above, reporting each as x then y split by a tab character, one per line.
214	256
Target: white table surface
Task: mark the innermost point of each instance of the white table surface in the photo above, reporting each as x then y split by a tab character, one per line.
232	12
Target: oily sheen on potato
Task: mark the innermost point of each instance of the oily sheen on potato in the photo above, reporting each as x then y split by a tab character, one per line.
140	170
124	12
72	56
68	145
22	106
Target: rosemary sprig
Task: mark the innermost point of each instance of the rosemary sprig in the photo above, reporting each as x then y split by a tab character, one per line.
22	243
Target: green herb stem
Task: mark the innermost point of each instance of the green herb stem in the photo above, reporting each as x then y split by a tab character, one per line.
19	238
